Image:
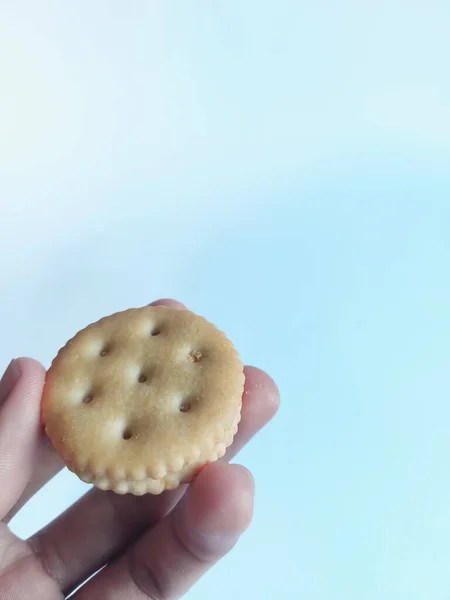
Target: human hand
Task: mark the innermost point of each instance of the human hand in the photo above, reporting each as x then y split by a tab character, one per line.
154	547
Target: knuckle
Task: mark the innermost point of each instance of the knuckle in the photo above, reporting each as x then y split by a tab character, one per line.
50	559
145	577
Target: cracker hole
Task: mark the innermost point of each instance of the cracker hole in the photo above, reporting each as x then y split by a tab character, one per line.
143	378
183	402
88	399
195	356
127	435
104	352
155	331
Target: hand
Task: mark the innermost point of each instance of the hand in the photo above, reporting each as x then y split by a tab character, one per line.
153	547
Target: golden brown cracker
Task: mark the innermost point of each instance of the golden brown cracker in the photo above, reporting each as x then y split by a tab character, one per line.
139	401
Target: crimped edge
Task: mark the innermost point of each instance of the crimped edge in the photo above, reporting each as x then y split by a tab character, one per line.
170	481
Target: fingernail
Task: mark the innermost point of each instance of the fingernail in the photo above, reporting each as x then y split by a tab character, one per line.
9	380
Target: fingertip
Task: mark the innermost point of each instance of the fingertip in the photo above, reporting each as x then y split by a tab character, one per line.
32	377
257	378
30	366
261	386
221	500
20	431
170	303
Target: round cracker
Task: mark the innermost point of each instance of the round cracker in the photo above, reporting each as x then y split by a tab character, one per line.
139	401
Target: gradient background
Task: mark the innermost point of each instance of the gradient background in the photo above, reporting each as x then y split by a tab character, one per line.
282	168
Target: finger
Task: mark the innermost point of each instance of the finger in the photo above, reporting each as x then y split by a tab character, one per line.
260	403
170	303
171	557
101	524
9	379
48	462
19	428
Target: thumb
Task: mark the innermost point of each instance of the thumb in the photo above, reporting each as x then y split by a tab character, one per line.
20	397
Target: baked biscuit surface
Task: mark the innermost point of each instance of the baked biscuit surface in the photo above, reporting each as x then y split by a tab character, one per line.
139	401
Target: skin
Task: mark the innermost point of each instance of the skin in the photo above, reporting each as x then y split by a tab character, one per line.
152	547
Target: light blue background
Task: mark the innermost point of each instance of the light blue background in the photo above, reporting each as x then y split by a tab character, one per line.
283	168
